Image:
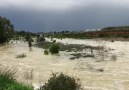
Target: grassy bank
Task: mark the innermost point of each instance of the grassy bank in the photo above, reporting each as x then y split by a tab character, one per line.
8	81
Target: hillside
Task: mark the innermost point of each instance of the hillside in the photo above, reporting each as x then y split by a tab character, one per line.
110	32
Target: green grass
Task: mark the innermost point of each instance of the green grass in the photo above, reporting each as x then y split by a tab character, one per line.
8	81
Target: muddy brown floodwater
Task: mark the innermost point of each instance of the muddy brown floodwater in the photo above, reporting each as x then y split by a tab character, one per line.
36	68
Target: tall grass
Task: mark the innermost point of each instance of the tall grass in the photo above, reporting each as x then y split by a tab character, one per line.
8	81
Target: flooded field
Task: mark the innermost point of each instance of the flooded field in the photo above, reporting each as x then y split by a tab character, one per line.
95	75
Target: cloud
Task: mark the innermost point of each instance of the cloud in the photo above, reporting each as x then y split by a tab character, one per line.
46	15
58	5
41	4
77	19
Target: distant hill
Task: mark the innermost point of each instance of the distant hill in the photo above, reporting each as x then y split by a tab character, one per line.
115	28
110	32
107	32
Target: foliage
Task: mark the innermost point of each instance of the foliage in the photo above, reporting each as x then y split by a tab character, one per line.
18	86
116	28
125	36
44	45
40	39
8	81
107	32
28	37
46	52
21	56
16	37
6	30
24	33
61	82
30	43
54	48
54	41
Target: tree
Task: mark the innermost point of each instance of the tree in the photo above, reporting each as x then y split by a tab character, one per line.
6	30
28	36
30	43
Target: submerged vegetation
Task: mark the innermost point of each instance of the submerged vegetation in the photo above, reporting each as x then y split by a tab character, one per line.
23	55
77	51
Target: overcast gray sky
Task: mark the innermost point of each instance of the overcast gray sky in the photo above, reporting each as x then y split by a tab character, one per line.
59	15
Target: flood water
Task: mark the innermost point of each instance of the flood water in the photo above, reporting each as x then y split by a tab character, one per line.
115	74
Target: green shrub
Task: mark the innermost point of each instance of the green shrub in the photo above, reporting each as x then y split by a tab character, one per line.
46	52
54	41
40	39
61	82
54	48
125	36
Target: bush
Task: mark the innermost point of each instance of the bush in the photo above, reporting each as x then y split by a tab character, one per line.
21	56
54	48
54	41
61	82
125	36
40	39
46	52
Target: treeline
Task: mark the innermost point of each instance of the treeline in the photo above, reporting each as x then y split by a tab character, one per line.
6	30
120	28
25	34
66	34
108	32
